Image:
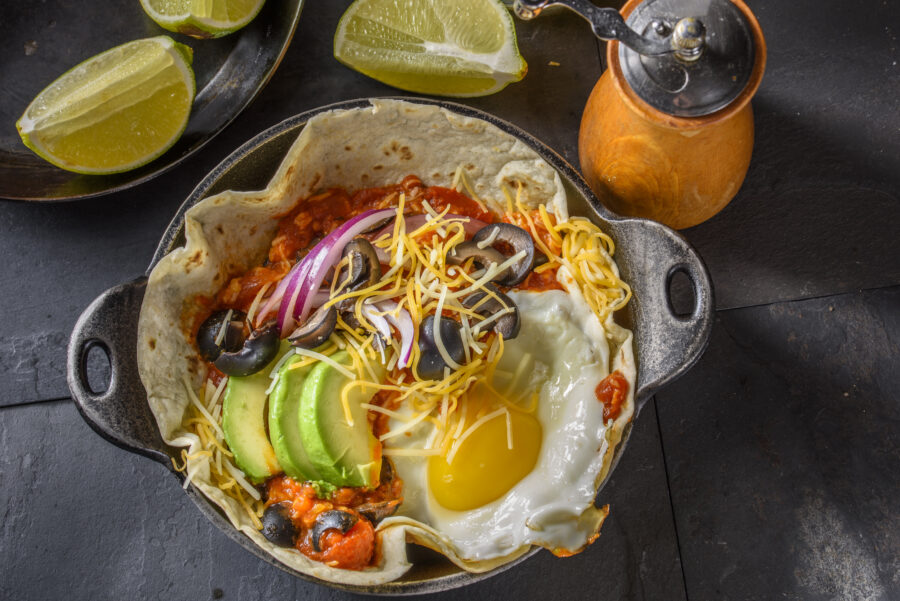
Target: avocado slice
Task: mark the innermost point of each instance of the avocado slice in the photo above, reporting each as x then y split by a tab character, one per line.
244	422
284	421
344	455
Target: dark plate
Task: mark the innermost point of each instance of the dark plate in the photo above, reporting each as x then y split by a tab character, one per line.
39	41
667	342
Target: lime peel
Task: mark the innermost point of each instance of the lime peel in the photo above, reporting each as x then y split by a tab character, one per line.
457	48
202	18
115	111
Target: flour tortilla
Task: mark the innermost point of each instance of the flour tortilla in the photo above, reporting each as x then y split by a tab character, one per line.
228	233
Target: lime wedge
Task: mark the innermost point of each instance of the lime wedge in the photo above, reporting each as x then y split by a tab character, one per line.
442	47
115	111
202	18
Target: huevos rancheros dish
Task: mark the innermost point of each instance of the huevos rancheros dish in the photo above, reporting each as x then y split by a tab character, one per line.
403	338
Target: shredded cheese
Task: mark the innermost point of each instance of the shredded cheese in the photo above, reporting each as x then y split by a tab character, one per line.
223	328
202	429
326	359
587	252
489	240
217	392
195	401
254	306
405	427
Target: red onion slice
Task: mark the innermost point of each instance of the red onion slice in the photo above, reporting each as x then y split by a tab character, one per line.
404	324
294	294
273	301
374	316
329	253
317	299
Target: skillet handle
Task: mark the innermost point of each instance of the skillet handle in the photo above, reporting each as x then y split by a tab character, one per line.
670	343
119	414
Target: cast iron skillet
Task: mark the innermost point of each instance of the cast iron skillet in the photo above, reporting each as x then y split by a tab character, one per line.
648	254
39	41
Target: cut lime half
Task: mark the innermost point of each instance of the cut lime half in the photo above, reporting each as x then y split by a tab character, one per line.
202	18
440	47
115	111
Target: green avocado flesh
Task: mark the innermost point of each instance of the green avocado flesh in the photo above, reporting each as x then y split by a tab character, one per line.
284	421
244	422
344	454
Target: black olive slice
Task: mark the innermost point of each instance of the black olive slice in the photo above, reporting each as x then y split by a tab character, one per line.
514	237
386	474
363	268
431	364
212	342
278	528
257	351
482	257
377	226
316	330
349	315
375	512
508	324
333	519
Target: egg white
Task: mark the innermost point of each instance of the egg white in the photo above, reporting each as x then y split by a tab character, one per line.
552	506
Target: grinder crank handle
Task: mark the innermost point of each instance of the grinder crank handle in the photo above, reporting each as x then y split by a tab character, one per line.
686	38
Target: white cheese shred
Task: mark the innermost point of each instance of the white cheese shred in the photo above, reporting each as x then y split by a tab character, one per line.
445	355
405	427
196	402
254	306
325	358
223	328
238	476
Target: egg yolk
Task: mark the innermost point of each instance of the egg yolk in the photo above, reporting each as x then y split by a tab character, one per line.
484	467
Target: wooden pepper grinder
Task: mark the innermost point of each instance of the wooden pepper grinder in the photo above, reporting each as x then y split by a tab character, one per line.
667	132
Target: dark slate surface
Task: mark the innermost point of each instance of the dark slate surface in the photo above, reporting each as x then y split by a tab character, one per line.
111	525
783	451
819	209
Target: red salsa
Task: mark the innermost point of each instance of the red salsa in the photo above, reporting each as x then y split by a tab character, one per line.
351	550
612	392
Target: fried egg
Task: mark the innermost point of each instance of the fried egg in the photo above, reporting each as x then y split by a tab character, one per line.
529	474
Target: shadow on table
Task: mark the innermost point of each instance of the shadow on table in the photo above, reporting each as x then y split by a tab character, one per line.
817	214
784	453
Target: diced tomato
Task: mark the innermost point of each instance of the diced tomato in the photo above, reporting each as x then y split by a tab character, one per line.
612	392
240	291
313	217
352	550
546	280
440	198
